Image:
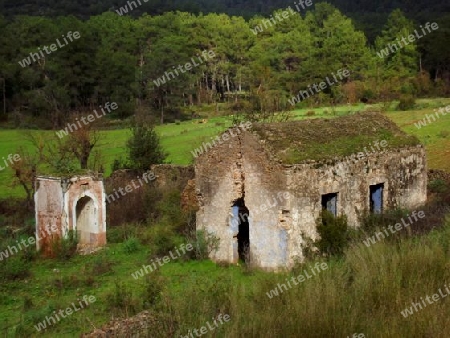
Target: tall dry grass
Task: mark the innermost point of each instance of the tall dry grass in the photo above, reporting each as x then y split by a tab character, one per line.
364	292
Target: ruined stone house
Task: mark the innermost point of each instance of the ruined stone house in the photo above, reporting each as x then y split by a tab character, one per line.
261	191
63	204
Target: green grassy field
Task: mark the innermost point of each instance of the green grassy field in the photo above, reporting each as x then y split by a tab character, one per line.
437	145
177	140
180	139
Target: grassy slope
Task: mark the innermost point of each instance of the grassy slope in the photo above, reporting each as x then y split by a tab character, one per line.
10	140
179	140
438	148
363	293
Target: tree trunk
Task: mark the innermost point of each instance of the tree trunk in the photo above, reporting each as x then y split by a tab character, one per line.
84	162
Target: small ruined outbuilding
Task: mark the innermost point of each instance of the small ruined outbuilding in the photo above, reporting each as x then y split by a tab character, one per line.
64	204
260	191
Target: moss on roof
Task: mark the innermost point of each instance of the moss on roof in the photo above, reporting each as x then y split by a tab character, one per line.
322	139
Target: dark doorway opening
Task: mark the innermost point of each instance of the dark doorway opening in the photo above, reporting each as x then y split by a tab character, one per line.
376	198
329	202
243	236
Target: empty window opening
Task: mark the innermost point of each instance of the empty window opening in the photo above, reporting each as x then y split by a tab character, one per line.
329	202
376	198
284	217
243	236
86	219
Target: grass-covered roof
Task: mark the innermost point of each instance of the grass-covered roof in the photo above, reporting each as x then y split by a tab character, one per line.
322	139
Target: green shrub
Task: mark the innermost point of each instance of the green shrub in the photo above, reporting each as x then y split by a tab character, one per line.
163	239
27	303
438	186
368	95
309	250
131	245
120	234
154	284
121	299
370	223
14	268
168	208
65	248
407	88
407	102
144	147
204	244
63	165
152	199
241	106
28	253
333	234
101	265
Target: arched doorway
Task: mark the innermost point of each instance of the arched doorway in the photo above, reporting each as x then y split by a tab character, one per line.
86	219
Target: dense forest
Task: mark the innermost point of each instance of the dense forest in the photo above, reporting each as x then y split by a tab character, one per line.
247	8
369	16
120	58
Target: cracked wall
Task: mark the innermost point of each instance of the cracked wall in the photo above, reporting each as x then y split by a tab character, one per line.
284	201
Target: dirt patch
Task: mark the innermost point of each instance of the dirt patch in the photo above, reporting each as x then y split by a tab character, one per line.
137	326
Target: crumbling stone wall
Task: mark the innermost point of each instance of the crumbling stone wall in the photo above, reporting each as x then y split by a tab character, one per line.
268	200
165	174
219	182
284	201
169	174
240	168
403	173
139	203
64	204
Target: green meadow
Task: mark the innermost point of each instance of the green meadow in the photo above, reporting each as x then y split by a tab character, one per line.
179	139
435	136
